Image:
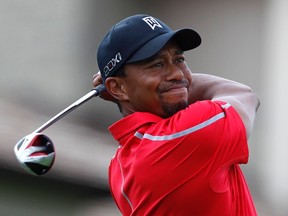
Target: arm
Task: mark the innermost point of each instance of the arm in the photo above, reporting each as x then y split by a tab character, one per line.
240	96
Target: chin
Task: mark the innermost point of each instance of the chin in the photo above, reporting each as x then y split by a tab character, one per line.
172	108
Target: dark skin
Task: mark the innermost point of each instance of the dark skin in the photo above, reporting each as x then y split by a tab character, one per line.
159	85
163	85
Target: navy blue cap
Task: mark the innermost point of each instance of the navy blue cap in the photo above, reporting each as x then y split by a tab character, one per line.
137	38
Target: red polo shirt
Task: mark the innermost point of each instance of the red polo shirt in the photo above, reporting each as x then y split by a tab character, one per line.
183	165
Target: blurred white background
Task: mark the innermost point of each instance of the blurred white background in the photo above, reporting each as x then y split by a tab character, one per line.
48	57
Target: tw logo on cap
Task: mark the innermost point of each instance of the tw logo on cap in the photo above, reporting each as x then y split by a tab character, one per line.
152	22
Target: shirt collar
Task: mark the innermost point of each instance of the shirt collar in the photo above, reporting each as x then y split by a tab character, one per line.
131	123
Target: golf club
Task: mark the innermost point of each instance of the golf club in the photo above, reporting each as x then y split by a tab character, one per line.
35	152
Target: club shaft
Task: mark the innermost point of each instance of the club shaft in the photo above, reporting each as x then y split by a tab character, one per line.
94	92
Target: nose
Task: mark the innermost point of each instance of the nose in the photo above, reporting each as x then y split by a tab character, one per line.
174	73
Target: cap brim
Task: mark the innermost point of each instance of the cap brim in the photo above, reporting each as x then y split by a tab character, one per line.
186	39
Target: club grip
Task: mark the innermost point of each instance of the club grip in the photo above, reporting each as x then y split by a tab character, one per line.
99	89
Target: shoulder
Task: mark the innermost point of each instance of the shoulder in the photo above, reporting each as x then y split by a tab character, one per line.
198	116
199	113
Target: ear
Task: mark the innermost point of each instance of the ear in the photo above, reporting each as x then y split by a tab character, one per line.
117	88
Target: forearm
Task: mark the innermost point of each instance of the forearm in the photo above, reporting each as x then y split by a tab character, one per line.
240	96
210	87
201	87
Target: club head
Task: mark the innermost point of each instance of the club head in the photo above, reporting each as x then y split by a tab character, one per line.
35	152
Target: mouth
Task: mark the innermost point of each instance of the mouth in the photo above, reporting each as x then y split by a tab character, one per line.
174	93
175	88
177	92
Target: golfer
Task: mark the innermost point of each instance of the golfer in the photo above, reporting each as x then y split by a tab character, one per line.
182	135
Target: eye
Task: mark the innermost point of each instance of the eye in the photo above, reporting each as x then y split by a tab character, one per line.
156	64
180	59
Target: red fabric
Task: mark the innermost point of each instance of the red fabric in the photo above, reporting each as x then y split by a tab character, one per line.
183	165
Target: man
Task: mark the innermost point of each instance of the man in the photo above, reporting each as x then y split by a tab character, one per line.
183	135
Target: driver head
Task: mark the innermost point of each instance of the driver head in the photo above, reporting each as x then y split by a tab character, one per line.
36	154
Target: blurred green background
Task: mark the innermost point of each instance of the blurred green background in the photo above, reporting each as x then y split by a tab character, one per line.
48	58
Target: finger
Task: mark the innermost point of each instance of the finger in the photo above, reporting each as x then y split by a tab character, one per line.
97	74
97	79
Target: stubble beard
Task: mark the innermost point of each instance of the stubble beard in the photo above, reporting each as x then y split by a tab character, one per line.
172	108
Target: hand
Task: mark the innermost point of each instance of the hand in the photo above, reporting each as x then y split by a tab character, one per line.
97	80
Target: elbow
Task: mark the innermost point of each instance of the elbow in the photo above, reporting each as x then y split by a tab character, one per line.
254	103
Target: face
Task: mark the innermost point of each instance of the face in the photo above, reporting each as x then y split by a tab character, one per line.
158	85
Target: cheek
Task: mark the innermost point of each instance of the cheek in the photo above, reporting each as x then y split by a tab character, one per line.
143	95
144	85
188	75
